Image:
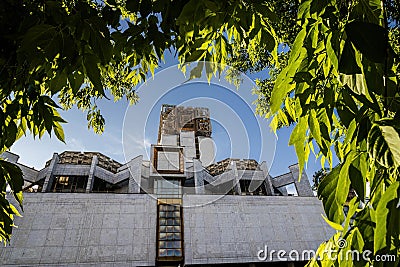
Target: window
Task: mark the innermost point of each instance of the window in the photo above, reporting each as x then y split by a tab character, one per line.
167	188
169	234
245	188
70	184
168	160
102	186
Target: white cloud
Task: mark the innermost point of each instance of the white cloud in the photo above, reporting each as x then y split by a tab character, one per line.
75	144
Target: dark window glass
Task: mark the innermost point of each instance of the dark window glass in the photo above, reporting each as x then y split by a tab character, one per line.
245	185
70	184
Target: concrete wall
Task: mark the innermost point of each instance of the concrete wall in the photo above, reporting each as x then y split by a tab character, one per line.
11	157
120	229
234	228
83	230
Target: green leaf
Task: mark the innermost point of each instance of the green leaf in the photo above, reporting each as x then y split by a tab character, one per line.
100	39
350	131
353	204
37	35
14	210
369	38
332	54
334	225
58	131
221	50
283	84
314	127
76	80
14	178
358	175
58	82
333	191
383	145
90	62
196	71
11	136
355	82
392	139
348	63
387	220
297	138
196	55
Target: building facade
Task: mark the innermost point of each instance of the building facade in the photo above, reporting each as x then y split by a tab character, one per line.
178	208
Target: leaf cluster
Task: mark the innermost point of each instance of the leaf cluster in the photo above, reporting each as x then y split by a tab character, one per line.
59	54
341	89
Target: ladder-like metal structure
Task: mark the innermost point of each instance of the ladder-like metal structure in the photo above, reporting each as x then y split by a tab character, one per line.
169	246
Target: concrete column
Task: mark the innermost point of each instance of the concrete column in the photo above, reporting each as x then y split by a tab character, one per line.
198	172
135	174
303	186
91	178
267	182
48	180
237	188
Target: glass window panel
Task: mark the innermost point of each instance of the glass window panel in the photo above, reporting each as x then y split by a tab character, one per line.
177	229
170	236
162	252
162	244
163	236
163	222
169	244
170	252
171	208
170	229
176	244
177	236
178	252
163	228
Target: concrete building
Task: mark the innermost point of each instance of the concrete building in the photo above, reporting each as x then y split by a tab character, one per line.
178	208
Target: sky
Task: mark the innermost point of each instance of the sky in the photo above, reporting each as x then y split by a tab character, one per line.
129	130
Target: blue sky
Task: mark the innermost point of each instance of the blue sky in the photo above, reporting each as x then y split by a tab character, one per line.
237	132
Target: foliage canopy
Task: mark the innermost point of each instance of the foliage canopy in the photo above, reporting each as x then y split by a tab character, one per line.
57	54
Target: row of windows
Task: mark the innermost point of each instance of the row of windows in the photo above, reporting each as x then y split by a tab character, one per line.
169	244
170	252
170	236
169	208
163	188
77	184
70	184
169	214
170	222
170	229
